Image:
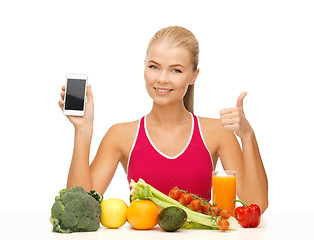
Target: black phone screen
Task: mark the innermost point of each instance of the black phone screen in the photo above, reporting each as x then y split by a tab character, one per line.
75	94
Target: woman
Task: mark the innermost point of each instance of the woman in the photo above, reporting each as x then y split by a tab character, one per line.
171	146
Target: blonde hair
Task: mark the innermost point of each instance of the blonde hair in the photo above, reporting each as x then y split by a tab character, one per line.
179	36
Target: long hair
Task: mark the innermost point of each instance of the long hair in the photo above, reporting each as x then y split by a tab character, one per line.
180	36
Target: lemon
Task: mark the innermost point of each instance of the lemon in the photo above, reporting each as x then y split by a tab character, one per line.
113	212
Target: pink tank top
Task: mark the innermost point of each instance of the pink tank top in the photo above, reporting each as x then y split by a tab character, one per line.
189	170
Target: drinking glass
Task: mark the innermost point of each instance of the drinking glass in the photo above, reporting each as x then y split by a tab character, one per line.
224	189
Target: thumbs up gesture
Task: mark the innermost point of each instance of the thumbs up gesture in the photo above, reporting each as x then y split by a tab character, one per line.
233	118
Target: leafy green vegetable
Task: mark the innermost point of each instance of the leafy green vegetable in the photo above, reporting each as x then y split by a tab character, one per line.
96	195
76	210
142	190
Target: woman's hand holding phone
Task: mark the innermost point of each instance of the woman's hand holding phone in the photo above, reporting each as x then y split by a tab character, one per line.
85	121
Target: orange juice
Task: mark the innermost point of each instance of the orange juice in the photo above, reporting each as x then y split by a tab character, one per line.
224	189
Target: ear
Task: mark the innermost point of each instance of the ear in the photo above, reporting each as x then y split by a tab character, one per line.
194	76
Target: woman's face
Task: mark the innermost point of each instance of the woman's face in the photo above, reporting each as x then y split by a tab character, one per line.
168	73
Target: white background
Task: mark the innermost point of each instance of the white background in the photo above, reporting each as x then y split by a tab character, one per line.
262	47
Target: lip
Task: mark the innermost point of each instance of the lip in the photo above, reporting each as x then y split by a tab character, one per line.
162	91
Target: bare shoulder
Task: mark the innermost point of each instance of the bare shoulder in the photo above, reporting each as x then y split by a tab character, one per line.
124	128
214	126
117	143
211	125
122	132
214	133
221	142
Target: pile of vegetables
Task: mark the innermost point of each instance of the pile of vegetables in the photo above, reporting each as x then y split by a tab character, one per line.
207	219
76	210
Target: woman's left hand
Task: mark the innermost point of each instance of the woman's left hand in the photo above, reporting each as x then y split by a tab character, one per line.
233	119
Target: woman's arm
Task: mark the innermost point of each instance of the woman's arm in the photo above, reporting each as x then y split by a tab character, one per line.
79	172
255	183
110	153
113	149
98	175
252	186
252	181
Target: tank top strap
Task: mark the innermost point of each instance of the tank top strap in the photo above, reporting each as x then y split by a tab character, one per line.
198	138
142	139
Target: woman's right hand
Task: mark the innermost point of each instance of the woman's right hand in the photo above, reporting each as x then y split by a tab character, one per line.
88	118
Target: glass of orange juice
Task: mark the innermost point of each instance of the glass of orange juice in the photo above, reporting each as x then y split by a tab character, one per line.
224	189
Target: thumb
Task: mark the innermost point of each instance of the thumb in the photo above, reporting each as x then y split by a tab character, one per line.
240	100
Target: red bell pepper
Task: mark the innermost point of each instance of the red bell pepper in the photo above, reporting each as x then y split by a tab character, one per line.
248	216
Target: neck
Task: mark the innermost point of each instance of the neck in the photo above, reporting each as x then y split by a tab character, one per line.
169	114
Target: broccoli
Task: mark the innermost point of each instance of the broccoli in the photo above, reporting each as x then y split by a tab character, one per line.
76	210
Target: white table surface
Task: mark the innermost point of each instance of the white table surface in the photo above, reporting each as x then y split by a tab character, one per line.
273	225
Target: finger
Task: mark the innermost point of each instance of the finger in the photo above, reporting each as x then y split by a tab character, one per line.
63	88
232	127
234	114
61	104
89	94
227	110
229	121
240	100
62	95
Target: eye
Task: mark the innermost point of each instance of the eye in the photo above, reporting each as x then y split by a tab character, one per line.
177	70
153	67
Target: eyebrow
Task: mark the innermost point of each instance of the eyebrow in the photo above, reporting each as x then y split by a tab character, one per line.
152	61
173	65
177	65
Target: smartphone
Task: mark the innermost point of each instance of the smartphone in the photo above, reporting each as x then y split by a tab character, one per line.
75	94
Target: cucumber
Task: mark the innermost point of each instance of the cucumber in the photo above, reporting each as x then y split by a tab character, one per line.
171	218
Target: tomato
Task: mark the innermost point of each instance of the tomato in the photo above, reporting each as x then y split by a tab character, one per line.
223	224
225	213
195	204
185	198
204	208
216	210
175	193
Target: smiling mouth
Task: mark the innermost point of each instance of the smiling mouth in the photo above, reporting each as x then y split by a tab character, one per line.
163	90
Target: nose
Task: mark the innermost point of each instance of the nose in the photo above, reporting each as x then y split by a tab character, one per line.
163	77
